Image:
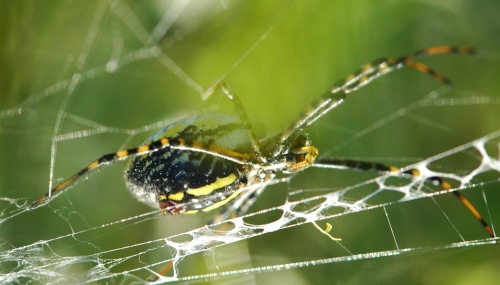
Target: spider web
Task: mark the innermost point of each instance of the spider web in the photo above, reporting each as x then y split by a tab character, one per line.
80	80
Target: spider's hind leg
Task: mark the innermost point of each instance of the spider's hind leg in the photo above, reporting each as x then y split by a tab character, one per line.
338	163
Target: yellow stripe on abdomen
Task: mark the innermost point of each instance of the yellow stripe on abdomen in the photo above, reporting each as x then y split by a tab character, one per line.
207	189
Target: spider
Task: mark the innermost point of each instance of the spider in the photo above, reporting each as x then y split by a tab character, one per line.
203	162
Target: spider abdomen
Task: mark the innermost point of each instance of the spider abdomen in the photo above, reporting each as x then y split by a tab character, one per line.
187	181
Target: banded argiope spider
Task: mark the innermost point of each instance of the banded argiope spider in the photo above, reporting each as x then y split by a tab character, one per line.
203	162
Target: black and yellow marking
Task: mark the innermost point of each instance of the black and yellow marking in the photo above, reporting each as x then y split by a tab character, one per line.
205	169
203	162
210	188
223	202
378	167
305	157
367	73
200	192
447	186
179	197
425	69
163	143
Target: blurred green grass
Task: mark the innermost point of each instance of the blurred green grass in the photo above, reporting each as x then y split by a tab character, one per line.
308	46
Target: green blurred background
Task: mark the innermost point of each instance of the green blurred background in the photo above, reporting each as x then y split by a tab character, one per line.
308	45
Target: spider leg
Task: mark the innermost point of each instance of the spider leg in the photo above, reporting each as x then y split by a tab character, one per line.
240	205
339	163
245	121
172	143
380	67
366	74
236	208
